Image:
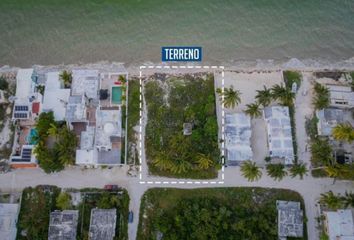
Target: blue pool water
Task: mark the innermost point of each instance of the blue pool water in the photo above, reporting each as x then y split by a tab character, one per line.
31	137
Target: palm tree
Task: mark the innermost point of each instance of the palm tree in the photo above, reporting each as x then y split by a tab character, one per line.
253	110
251	171
336	171
331	200
264	97
162	162
298	169
348	199
283	94
180	166
321	99
66	146
343	132
67	78
276	171
53	130
204	162
230	97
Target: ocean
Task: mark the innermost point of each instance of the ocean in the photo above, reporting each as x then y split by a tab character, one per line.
51	32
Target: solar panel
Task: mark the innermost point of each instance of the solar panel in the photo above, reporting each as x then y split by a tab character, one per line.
20	115
21	108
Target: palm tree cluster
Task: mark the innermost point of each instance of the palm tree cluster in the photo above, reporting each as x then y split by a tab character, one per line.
251	171
229	97
343	132
298	170
67	78
336	201
321	99
276	171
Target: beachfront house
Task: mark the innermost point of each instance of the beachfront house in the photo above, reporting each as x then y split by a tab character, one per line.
279	136
341	96
290	219
339	224
237	138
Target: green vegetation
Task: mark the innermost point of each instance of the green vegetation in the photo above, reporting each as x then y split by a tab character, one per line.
219	213
311	127
170	104
335	201
251	171
343	132
352	82
231	97
292	76
276	171
253	110
321	152
67	78
321	99
283	94
133	119
62	153
4	85
264	97
298	170
36	204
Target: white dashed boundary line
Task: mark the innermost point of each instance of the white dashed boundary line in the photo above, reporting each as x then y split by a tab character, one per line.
196	182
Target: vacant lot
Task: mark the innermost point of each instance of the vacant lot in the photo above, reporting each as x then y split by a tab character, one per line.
219	213
173	102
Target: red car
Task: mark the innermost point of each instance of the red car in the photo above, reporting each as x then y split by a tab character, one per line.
111	187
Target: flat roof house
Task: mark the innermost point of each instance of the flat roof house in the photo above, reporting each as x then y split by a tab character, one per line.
290	219
280	141
8	220
339	224
328	118
56	97
341	96
63	225
103	224
237	138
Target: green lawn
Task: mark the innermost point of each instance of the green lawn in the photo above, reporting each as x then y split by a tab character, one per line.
172	102
133	118
212	213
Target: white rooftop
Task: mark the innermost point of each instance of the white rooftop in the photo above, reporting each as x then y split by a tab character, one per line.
237	137
55	97
340	224
23	85
85	82
279	133
8	220
341	96
76	109
108	124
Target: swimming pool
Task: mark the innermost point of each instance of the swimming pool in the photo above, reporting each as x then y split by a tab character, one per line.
32	137
116	95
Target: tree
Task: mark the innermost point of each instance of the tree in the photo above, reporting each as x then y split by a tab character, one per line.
298	170
251	171
63	201
204	161
264	97
253	110
65	146
348	199
321	152
337	171
162	162
4	85
43	123
53	130
321	99
230	97
283	94
67	78
343	132
331	200
181	166
276	171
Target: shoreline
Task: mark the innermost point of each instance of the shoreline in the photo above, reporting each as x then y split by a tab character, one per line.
309	65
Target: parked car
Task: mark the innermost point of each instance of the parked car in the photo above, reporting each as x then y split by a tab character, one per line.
130	216
111	187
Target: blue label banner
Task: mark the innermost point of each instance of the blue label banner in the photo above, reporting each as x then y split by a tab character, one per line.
181	54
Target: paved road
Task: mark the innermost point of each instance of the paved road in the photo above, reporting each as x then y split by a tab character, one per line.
310	188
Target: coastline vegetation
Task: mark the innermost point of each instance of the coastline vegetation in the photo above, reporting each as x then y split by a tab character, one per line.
212	213
172	103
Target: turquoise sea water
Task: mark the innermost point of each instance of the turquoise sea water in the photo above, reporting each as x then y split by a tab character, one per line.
66	31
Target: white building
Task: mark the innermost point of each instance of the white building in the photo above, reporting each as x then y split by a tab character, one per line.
238	138
341	96
55	96
8	220
85	82
339	224
279	133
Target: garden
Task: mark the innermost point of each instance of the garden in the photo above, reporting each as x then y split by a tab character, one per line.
219	213
182	132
